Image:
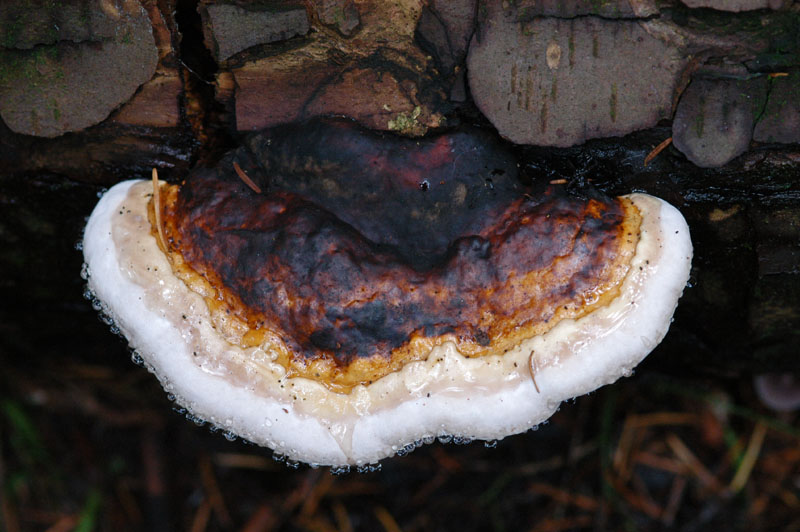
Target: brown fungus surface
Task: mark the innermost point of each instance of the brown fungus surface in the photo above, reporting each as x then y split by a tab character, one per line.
364	251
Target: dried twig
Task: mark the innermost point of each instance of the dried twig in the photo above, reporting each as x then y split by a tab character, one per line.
299	494
201	516
244	461
129	504
444	460
8	514
674	500
693	463
564	523
314	523
263	518
632	433
664	418
153	465
386	519
790	499
342	518
436	481
318	492
659	462
644	499
583	502
639	501
213	492
66	523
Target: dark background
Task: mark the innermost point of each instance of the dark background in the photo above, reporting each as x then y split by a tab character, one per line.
89	441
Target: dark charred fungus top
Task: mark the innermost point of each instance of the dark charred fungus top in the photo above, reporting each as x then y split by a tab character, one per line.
365	250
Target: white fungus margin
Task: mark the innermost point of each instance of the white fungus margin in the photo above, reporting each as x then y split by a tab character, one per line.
243	391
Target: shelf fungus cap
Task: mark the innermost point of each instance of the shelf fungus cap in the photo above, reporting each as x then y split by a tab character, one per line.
366	353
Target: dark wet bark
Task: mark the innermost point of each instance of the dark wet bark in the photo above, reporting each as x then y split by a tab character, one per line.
740	312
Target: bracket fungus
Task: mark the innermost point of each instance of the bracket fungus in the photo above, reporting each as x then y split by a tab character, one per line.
340	296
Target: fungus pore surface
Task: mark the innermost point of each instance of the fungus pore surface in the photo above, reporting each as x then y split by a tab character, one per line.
353	294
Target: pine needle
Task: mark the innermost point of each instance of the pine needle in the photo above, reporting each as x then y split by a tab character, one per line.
244	177
157	210
658	149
